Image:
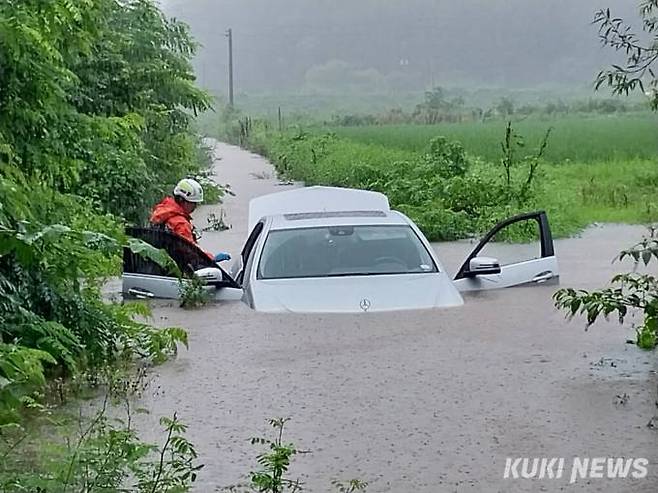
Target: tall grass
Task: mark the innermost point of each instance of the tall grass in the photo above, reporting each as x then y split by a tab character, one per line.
576	193
578	139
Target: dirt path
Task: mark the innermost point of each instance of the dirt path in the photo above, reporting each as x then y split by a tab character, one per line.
411	402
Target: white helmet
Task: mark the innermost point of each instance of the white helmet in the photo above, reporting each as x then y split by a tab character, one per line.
189	190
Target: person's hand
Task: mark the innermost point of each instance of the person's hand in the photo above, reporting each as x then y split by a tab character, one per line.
222	256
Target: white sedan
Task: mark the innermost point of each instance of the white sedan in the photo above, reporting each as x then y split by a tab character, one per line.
333	250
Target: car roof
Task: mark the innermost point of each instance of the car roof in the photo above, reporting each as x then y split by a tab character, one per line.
337	218
315	200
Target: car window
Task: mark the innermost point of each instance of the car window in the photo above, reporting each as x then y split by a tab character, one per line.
343	251
515	243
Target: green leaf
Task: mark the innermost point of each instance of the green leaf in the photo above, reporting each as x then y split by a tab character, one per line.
646	256
4	382
159	256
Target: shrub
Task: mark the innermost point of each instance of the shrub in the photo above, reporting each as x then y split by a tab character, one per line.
446	192
438	223
193	293
100	453
447	158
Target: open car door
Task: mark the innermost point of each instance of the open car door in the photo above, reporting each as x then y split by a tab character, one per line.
498	263
145	278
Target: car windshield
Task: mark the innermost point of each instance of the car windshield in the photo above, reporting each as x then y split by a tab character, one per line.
343	251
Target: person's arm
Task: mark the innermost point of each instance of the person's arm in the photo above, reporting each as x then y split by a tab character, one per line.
183	228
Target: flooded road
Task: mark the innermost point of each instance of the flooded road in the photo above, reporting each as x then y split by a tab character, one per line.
426	401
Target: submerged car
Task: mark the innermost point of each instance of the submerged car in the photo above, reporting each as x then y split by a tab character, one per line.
334	250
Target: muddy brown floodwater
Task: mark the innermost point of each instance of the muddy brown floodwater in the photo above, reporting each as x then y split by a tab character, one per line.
426	401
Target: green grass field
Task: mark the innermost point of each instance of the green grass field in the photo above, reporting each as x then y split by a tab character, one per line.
596	169
576	139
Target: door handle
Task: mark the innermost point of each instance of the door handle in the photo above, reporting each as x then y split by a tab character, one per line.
139	293
543	277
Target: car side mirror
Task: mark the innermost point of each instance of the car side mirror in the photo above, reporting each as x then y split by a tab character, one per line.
210	275
214	276
480	266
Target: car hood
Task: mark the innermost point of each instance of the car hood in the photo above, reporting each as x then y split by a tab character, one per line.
354	294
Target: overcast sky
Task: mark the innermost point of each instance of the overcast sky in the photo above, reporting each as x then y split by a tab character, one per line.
398	44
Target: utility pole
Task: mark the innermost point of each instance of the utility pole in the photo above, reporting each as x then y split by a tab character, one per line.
431	67
229	35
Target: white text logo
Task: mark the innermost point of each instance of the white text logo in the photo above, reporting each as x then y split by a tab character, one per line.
578	468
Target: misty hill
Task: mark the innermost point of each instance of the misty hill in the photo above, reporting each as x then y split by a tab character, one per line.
398	45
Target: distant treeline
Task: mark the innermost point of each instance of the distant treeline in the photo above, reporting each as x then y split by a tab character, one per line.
438	108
